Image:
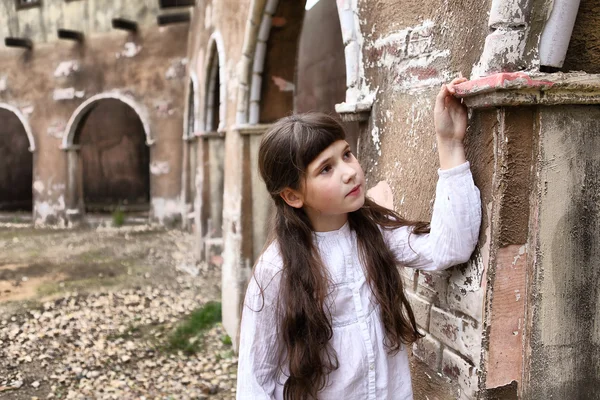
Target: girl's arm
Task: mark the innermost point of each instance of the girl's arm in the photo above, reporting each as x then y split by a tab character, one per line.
456	215
259	345
454	225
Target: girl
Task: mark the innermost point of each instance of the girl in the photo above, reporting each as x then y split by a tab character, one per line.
325	316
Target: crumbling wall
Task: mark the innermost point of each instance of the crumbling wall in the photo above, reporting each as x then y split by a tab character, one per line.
407	58
584	49
41	23
564	349
50	82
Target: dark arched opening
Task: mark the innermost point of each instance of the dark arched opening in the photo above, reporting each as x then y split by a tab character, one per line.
114	158
321	65
16	164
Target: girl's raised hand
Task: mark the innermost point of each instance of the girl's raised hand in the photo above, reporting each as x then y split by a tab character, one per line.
449	115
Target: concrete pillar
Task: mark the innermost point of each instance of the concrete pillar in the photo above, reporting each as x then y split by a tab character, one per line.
542	293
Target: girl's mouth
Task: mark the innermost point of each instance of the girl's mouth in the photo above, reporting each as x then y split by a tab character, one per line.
354	191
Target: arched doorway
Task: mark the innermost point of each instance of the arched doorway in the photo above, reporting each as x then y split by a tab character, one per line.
16	163
108	158
212	156
320	81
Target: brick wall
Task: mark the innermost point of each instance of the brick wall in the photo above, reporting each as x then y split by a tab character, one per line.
448	309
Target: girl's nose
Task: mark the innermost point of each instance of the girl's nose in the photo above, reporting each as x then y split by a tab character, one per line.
349	174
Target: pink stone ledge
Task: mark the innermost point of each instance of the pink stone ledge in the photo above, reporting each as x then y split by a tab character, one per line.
523	88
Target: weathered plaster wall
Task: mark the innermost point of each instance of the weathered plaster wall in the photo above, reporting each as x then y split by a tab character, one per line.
565	338
40	24
50	82
584	49
407	58
227	19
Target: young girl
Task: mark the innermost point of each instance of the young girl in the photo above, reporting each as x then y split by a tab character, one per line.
325	315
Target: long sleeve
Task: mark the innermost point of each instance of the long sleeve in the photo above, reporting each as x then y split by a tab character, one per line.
259	346
455	225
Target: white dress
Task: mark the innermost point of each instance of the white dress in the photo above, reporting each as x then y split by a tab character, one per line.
366	370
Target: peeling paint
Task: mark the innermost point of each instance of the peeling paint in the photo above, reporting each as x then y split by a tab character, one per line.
177	69
282	84
163	108
47	212
27	110
56	130
38	186
376	140
160	168
411	58
67	94
131	50
165	209
66	68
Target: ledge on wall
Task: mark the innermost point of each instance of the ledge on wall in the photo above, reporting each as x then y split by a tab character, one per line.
24	43
124	24
173	18
252	129
176	3
520	88
354	112
209	134
68	34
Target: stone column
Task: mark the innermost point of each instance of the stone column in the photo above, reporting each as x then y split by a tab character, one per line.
542	297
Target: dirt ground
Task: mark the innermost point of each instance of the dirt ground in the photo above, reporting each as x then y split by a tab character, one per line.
38	264
42	266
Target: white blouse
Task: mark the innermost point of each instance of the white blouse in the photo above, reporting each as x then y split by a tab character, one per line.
366	370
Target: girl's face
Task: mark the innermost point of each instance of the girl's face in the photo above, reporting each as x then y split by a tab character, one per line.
333	187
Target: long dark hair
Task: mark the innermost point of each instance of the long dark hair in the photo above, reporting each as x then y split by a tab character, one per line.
305	326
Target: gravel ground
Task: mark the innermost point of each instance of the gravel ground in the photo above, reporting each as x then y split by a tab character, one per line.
95	324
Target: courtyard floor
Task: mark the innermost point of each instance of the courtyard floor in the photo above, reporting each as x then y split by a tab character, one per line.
91	314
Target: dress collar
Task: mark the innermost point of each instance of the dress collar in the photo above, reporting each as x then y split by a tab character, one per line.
343	231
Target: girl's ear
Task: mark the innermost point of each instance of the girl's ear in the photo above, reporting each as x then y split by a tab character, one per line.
292	197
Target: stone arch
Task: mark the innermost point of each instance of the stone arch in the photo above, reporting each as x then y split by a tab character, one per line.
86	106
24	122
126	182
192	111
255	50
210	180
215	72
16	161
320	76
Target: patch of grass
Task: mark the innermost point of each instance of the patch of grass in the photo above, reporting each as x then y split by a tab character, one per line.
226	340
188	335
118	217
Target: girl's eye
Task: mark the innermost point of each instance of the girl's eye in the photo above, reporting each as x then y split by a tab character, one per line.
325	169
348	154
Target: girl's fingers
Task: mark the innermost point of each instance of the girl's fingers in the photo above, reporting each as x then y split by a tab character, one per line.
440	100
455	82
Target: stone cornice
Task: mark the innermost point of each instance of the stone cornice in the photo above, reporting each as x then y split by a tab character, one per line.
520	88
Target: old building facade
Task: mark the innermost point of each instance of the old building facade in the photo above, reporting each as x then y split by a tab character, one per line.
139	107
92	96
515	320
